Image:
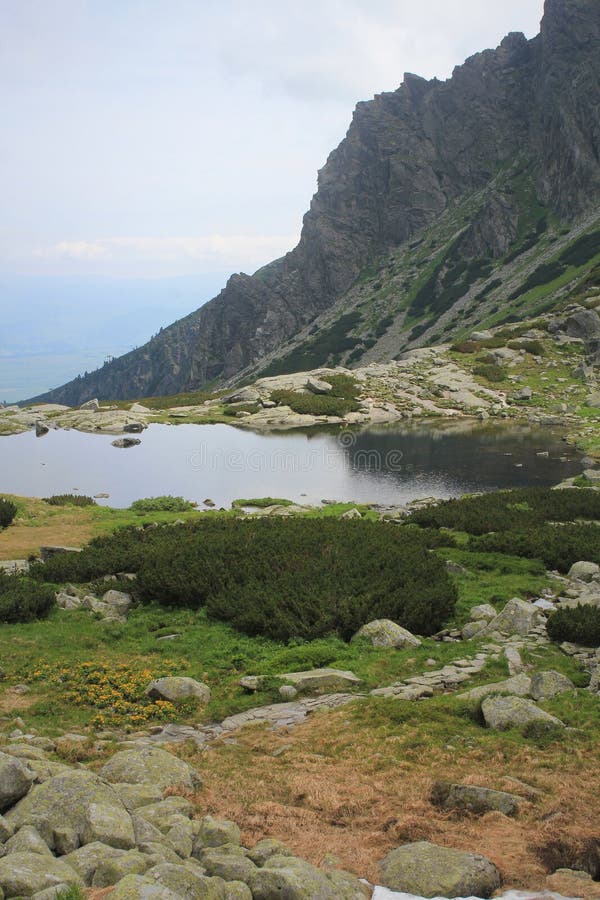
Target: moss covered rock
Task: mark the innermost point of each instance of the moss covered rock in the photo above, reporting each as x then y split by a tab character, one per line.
429	870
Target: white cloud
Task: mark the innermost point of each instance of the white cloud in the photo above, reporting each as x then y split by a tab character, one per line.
211	251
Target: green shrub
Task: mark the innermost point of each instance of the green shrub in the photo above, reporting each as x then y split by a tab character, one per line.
558	546
579	625
8	511
23	600
297	577
165	503
510	510
490	371
70	500
314	404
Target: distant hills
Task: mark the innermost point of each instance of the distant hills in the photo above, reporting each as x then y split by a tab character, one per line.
448	206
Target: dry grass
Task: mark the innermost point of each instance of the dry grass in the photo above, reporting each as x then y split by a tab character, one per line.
12	701
337	793
40	525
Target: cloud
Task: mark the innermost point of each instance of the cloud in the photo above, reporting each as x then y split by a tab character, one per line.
211	251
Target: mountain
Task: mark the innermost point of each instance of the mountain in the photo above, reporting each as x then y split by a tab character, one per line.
448	205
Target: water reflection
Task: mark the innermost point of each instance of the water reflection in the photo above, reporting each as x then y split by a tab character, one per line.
391	464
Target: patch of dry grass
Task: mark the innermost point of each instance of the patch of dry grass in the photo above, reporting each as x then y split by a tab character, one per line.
332	791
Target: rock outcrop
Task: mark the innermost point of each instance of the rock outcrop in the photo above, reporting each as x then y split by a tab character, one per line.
527	108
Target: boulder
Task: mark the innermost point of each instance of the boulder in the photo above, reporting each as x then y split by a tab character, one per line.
136	795
215	833
109	871
150	765
85	860
316	386
27	840
177	687
24	874
469	798
242	395
118	601
501	713
294	879
73	808
583	324
15	780
517	617
545	685
471	629
583	570
138	887
91	405
265	849
484	611
228	861
385	633
429	870
518	685
186	882
321	679
134	427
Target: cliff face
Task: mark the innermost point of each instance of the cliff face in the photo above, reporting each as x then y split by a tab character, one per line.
409	156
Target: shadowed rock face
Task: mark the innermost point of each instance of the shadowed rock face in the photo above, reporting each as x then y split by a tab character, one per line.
407	157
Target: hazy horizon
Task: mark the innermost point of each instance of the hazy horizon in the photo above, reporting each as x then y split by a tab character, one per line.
144	143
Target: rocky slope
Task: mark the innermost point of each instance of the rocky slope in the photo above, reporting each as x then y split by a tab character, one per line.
438	208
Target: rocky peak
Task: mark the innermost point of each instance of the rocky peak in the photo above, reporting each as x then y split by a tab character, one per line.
409	156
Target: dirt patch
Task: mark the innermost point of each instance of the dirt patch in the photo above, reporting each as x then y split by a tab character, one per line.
334	793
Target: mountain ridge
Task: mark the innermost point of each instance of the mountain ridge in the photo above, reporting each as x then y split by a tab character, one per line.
505	151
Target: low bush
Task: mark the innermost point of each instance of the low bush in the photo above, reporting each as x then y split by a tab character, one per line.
579	625
558	546
70	500
23	600
8	511
296	578
165	503
510	510
490	371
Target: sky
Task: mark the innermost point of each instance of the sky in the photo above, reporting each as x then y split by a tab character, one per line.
167	139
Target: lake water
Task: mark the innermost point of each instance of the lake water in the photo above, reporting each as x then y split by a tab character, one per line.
387	465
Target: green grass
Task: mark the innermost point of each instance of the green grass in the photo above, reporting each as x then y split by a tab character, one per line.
262	502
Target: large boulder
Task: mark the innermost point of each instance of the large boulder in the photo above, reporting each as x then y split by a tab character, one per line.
178	687
583	570
545	685
501	713
85	860
191	884
294	879
321	680
518	685
517	617
24	874
118	601
215	833
429	870
583	324
469	798
228	861
138	887
15	780
484	612
385	633
317	386
73	808
150	765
